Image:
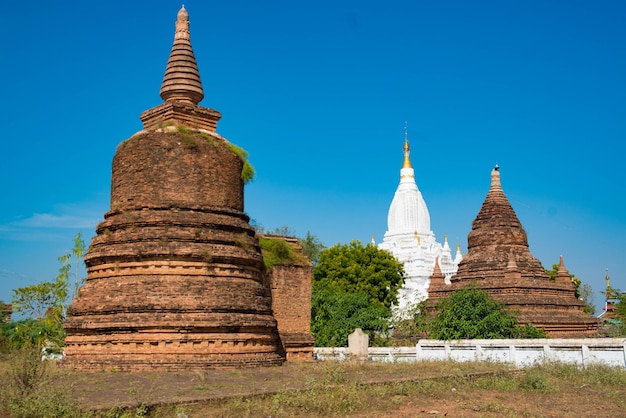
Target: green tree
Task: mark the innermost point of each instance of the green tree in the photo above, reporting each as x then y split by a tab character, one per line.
620	306
471	313
353	287
46	303
336	314
312	247
37	300
354	268
618	323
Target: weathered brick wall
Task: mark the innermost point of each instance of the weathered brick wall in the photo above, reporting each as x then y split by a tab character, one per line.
291	298
181	169
175	276
291	304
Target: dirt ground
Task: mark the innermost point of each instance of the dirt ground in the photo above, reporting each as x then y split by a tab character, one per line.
206	393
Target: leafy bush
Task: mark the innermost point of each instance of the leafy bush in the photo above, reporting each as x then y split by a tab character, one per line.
336	314
355	268
471	313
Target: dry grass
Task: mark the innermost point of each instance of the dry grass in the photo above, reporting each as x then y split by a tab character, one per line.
338	389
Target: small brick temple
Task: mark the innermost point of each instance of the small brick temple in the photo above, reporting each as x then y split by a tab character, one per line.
175	274
499	261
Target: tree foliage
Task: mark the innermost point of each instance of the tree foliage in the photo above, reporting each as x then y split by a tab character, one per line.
620	306
336	314
471	313
312	247
45	304
619	320
354	268
353	287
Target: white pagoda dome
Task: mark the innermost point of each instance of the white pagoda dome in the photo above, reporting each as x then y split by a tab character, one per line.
411	241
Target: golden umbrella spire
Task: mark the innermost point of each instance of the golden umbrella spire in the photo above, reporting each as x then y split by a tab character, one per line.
407	149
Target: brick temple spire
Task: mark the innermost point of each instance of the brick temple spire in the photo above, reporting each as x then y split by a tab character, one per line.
499	261
175	274
182	78
181	88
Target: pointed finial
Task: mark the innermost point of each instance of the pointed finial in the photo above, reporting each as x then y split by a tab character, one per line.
182	78
373	241
561	265
406	149
495	177
562	275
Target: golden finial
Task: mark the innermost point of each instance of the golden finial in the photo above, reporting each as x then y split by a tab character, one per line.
406	148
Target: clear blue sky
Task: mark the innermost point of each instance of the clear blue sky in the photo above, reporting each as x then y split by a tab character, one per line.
318	94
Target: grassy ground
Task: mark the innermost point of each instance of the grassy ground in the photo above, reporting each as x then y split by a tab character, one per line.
316	390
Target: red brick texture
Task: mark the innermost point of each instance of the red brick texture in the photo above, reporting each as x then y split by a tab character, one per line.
175	274
291	304
500	262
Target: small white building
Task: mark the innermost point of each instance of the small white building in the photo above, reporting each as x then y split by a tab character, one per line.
411	241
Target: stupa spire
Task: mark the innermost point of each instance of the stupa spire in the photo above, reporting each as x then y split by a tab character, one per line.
406	149
562	275
495	178
182	79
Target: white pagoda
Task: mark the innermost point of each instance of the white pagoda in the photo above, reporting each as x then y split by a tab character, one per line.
411	241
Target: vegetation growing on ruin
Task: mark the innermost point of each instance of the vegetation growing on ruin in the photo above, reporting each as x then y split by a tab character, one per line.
247	172
278	252
209	139
186	137
583	291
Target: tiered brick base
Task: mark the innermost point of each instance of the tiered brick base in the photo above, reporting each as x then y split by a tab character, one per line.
175	274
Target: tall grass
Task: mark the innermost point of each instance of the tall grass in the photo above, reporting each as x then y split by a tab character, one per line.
28	388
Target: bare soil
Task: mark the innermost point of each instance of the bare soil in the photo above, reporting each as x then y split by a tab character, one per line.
226	393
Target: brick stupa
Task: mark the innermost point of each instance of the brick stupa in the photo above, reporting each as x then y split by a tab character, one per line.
175	276
499	261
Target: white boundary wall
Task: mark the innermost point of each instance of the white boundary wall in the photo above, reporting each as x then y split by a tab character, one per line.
521	353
